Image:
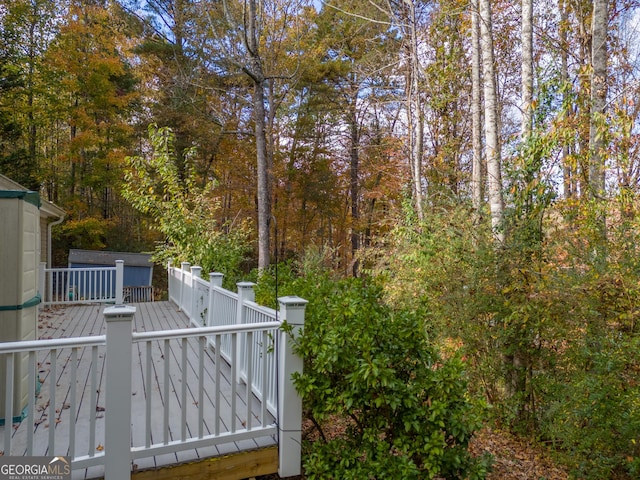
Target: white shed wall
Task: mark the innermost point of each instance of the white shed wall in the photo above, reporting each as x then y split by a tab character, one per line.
19	260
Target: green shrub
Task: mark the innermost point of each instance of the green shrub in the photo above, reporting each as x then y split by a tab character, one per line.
407	409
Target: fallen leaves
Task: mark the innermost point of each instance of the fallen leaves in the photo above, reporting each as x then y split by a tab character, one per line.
514	458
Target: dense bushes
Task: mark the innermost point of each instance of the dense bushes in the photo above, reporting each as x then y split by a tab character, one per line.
550	323
406	408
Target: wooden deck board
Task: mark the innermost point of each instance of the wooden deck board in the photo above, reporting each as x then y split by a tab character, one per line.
88	320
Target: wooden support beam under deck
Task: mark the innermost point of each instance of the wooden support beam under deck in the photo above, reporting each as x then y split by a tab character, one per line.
238	466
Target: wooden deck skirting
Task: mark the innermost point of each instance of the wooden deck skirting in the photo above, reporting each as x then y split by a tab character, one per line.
238	466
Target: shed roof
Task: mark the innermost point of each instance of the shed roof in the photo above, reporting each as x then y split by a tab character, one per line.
47	209
99	257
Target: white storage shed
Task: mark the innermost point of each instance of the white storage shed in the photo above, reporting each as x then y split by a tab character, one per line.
21	246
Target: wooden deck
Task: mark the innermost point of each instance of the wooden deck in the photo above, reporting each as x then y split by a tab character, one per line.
88	320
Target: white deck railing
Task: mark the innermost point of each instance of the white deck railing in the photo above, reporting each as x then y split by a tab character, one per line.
138	294
60	405
206	303
60	286
246	336
223	423
259	359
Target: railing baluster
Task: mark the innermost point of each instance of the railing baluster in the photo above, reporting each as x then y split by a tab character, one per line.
48	287
33	378
147	423
167	355
273	374
72	402
68	283
8	405
52	400
249	377
218	342
93	401
184	368
235	338
265	357
201	344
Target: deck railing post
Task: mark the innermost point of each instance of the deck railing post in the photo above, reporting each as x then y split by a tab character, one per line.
42	284
215	280
185	266
289	402
245	294
196	272
170	285
117	443
119	282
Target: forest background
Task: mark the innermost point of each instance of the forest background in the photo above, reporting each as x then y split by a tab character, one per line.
468	170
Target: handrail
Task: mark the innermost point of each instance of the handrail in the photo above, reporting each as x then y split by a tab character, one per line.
49	344
203	331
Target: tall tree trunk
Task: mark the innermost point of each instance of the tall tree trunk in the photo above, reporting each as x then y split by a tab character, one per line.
527	68
354	163
415	117
581	145
264	193
568	172
476	116
270	144
33	160
74	161
597	122
494	174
